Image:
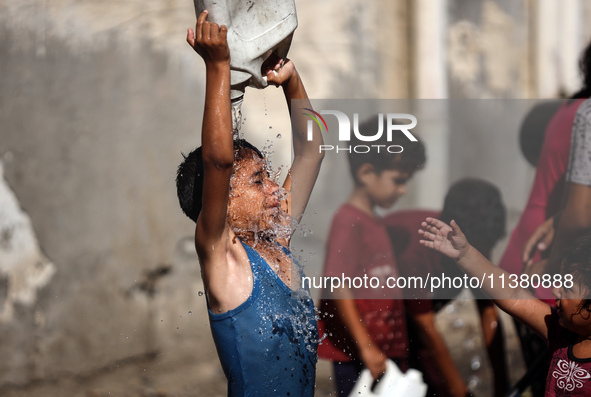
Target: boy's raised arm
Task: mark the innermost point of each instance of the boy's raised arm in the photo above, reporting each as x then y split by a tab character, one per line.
450	241
209	40
307	157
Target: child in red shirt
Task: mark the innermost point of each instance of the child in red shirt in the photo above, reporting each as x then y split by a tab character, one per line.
366	326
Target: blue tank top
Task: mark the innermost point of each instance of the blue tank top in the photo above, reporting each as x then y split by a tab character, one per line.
267	345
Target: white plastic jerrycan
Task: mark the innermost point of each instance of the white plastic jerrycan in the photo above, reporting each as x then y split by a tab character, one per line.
256	28
393	383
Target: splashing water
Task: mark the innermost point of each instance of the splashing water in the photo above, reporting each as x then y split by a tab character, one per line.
458	323
470	344
281	226
475	363
473	382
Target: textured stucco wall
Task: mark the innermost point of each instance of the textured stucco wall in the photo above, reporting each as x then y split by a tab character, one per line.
97	100
93	141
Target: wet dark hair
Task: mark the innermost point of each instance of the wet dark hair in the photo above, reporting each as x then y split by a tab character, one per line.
477	207
189	177
577	261
585	68
411	159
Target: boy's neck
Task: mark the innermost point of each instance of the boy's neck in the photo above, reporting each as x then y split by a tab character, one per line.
360	200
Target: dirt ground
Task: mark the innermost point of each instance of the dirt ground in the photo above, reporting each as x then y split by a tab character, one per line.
160	375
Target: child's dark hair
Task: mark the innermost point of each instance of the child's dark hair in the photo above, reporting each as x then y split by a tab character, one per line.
411	159
577	261
477	207
189	178
585	68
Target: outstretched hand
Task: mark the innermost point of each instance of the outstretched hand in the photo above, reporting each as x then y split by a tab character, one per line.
448	240
209	40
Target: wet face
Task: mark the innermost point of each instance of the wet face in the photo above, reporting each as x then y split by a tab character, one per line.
254	204
386	187
572	314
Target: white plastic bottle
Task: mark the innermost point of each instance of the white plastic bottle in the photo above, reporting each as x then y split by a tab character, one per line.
256	28
393	383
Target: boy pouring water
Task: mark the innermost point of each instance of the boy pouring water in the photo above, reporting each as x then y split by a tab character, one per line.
265	338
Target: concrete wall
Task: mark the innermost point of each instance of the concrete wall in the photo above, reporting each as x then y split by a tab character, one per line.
93	140
97	100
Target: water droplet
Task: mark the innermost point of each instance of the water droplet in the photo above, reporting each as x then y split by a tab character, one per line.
161	321
458	323
475	363
470	344
278	136
473	381
236	118
200	293
190	313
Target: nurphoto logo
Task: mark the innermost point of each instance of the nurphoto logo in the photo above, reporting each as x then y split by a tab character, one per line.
392	125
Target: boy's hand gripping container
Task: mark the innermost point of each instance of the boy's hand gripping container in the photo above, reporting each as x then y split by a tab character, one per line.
392	383
256	29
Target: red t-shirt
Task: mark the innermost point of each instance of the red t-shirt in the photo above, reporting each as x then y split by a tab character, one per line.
568	375
359	246
413	259
546	193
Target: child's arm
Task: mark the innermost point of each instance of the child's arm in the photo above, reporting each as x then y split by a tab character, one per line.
517	302
307	156
343	257
435	343
574	222
211	231
369	352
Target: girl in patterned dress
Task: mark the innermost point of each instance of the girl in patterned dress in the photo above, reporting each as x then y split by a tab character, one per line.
567	328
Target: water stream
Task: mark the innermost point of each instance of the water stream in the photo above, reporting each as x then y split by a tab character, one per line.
236	117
